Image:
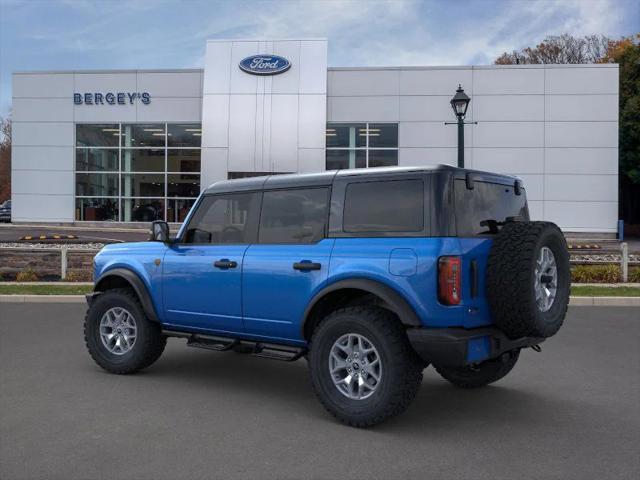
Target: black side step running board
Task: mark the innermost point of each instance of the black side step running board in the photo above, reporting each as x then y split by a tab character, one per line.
273	351
211	343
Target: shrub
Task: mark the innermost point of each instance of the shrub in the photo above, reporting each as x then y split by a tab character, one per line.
596	274
611	273
82	276
27	275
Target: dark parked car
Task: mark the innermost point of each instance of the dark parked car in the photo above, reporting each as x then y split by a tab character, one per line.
5	211
371	275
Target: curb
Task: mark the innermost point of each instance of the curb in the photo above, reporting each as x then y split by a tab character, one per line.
42	299
605	301
573	302
76	228
72	284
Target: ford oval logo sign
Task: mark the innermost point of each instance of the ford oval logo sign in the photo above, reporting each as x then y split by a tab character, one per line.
265	64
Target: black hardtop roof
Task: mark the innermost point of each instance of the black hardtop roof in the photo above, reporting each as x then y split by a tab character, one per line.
291	180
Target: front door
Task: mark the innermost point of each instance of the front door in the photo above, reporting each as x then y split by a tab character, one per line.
288	264
202	271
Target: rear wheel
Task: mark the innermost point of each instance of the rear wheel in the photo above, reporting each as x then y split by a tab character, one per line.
482	374
362	366
119	336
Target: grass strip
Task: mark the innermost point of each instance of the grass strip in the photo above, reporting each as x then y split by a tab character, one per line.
599	291
45	289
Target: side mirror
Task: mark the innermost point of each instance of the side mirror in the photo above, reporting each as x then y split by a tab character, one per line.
159	231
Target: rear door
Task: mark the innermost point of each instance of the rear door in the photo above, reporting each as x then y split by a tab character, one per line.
202	273
288	264
479	211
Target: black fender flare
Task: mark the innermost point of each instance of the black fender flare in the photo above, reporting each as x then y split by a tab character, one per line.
138	286
396	302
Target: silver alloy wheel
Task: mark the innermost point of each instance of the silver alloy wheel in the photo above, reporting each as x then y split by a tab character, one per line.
355	366
546	279
118	330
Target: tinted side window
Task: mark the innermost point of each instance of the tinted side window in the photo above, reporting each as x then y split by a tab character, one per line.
293	216
487	201
228	218
386	206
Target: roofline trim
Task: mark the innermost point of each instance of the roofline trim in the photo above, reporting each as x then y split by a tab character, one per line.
478	67
331	69
106	71
227	40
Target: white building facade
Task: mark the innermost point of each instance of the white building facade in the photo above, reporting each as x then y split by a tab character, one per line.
137	145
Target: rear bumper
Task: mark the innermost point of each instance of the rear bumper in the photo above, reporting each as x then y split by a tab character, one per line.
457	347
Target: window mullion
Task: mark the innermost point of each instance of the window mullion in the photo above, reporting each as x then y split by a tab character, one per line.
367	154
120	203
166	178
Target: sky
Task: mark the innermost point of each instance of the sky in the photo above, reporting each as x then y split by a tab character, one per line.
109	34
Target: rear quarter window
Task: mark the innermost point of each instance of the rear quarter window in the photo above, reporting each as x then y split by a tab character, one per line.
486	201
384	206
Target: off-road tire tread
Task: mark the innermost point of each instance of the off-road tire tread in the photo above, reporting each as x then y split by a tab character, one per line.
143	355
508	280
405	386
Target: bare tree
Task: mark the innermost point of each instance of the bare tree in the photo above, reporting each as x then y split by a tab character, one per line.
563	48
5	158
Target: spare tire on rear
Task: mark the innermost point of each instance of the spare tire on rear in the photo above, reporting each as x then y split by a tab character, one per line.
528	279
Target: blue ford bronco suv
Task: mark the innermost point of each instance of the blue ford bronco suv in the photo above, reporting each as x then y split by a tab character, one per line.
371	275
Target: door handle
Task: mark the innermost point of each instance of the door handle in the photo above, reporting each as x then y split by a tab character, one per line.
306	266
225	263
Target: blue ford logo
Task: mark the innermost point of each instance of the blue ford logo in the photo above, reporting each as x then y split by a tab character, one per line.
265	64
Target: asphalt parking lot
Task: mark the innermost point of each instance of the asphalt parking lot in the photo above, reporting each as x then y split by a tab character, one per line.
572	411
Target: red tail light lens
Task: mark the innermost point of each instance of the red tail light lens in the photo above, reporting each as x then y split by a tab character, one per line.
449	288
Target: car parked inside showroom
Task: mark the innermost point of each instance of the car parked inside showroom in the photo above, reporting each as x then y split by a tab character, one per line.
5	211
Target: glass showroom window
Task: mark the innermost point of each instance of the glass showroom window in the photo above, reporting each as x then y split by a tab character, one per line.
361	145
137	172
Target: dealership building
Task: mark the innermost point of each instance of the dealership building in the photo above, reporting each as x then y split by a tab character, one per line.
137	145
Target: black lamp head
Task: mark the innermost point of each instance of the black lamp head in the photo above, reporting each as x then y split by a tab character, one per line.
460	102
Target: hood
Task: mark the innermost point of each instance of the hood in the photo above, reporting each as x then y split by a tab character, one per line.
132	248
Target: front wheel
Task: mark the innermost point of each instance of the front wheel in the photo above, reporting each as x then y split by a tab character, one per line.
362	366
482	374
119	336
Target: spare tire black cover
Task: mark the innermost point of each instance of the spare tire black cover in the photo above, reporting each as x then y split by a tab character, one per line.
528	279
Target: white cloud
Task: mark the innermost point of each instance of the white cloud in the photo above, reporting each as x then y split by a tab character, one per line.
404	32
171	34
375	32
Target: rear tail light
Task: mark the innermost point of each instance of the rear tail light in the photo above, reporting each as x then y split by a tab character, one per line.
449	288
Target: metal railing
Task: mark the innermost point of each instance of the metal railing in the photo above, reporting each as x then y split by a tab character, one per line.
612	253
618	254
64	254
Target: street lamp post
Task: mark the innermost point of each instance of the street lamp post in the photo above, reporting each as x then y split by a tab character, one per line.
460	103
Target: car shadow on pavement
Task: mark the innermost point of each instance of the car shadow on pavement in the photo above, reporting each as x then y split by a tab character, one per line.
438	406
